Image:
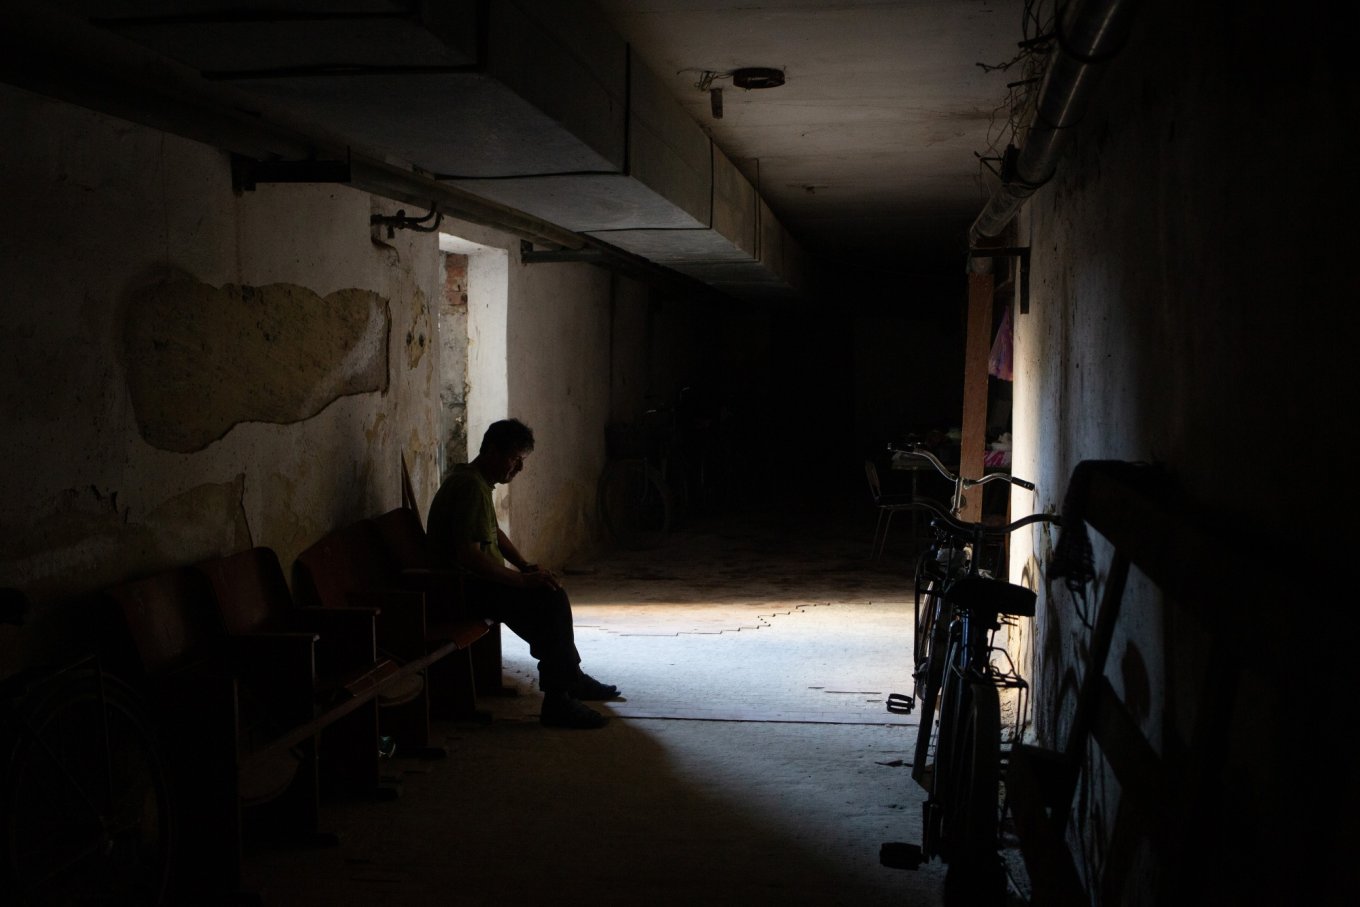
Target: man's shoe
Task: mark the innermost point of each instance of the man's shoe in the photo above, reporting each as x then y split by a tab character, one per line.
565	711
586	687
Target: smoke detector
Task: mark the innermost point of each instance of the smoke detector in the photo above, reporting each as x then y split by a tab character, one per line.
757	77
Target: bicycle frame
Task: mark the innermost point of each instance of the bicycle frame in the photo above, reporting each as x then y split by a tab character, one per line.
961	813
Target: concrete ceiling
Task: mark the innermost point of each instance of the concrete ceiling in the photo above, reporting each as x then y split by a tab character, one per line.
579	121
867	152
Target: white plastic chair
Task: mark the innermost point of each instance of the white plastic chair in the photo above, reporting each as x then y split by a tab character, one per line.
887	506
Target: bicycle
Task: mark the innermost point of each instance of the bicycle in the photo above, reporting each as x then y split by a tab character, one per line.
635	500
703	444
85	808
956	551
959	607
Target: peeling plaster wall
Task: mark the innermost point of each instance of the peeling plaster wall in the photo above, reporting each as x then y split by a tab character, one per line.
1188	308
188	371
558	353
202	359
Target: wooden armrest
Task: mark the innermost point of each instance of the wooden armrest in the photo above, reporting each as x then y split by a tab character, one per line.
367	682
462	633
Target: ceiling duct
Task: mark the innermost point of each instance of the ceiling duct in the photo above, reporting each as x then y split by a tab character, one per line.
532	106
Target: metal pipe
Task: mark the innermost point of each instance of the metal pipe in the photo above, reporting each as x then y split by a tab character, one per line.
1089	32
53	53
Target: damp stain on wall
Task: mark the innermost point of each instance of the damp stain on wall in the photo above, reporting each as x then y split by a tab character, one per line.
201	359
376	432
419	335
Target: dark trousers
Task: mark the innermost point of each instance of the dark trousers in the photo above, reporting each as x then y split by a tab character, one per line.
540	617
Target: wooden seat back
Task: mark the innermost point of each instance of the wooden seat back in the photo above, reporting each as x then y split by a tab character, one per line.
413	564
403	539
168	621
249	589
342	569
253	598
386	563
162	634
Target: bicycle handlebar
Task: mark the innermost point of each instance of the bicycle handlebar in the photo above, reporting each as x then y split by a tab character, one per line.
957	480
971	530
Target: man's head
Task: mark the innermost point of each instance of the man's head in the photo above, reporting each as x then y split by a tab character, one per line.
504	447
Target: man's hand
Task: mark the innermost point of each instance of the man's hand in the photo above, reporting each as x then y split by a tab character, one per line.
531	577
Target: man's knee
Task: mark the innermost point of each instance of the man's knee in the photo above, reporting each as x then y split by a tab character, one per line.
543	597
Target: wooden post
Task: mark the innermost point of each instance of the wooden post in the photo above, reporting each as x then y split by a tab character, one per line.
977	349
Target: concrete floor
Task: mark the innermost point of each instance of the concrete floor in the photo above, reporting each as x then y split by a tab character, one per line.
752	762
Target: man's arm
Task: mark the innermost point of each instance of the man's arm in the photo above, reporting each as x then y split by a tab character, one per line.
511	553
472	558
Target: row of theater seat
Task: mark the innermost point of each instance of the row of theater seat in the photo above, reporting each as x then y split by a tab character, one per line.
268	702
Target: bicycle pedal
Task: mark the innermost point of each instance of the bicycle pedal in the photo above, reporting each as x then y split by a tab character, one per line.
900	703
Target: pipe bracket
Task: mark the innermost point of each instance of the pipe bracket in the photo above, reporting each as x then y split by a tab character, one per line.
401	221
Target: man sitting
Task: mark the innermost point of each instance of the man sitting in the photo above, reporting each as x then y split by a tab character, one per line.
528	600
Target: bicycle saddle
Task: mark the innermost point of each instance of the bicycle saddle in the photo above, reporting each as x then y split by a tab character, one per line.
980	593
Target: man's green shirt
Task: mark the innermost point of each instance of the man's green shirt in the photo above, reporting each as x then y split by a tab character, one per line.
463	511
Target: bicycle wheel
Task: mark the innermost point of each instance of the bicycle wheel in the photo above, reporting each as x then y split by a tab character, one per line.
634	504
929	678
84	807
934	568
940	779
927	588
971	812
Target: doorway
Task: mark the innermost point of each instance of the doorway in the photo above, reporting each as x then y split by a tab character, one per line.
473	384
